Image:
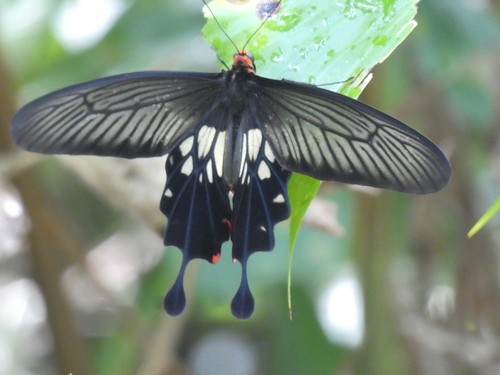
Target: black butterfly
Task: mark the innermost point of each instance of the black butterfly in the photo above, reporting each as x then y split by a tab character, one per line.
232	140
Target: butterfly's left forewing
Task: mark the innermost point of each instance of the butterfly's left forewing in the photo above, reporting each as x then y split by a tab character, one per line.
130	115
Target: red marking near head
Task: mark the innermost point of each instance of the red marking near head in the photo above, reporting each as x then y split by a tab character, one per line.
244	59
215	258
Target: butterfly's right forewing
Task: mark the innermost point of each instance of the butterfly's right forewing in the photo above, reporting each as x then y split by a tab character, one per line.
329	136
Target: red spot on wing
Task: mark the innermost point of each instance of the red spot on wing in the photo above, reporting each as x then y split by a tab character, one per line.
215	258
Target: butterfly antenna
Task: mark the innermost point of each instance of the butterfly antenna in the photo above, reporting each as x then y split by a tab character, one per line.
220	26
251	36
262	24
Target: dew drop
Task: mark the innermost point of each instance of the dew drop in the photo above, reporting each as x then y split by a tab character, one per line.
275	57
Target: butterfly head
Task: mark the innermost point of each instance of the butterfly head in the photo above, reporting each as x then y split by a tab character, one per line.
243	61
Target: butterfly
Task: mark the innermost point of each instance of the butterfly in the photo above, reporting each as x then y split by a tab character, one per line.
231	141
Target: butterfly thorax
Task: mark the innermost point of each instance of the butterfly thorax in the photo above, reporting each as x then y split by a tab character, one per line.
238	82
238	87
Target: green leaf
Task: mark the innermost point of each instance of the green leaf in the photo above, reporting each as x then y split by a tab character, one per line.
301	191
313	41
485	218
318	42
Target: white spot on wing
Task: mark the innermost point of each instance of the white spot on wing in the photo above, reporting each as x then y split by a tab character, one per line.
186	146
263	172
219	152
168	193
243	160
187	167
254	143
243	173
279	199
206	137
209	170
268	152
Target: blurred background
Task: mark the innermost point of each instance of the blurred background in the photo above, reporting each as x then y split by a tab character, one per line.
383	283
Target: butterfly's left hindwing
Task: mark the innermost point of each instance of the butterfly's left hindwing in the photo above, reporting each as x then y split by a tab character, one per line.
195	200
